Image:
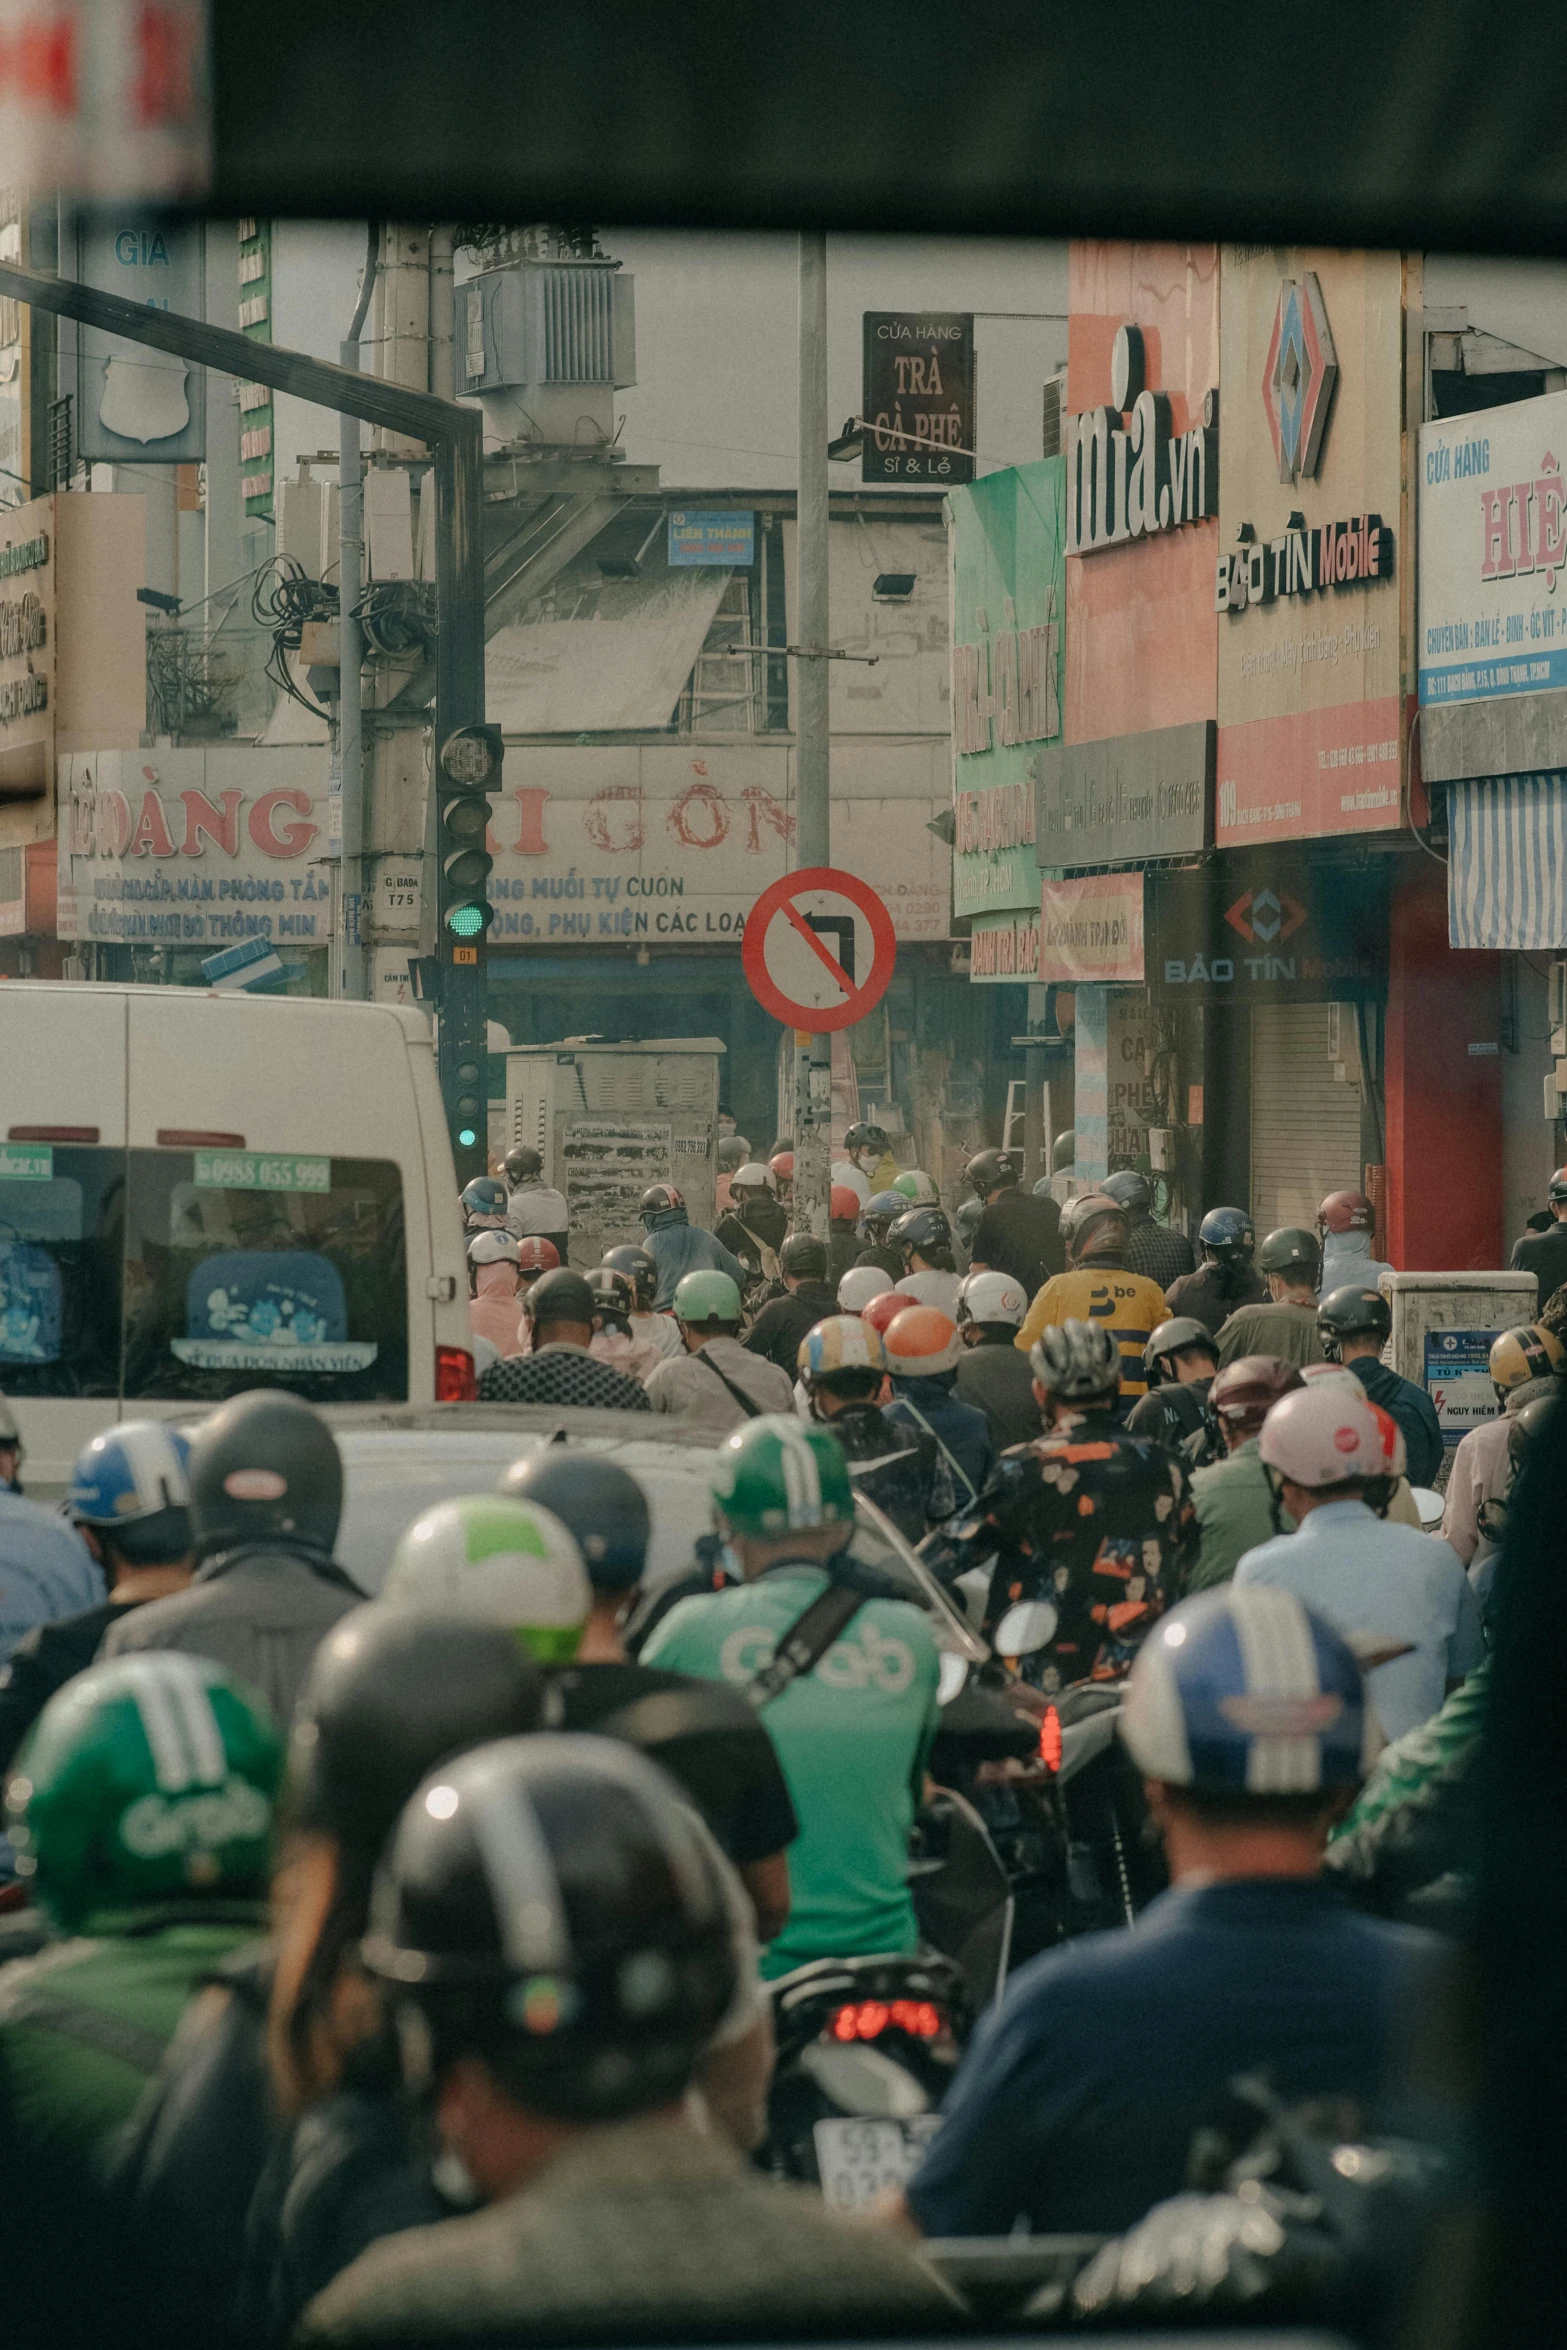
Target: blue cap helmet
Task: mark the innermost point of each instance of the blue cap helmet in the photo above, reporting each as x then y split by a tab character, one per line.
129	1473
880	1212
1243	1691
1227	1232
485	1196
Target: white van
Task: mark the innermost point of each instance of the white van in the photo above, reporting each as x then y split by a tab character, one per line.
203	1191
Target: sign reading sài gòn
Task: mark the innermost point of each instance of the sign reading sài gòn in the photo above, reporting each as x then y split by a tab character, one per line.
261	1171
918	396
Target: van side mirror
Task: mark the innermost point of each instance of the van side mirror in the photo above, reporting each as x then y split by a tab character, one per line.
1028	1626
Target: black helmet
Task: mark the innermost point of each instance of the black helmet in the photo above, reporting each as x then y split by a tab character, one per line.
925	1229
1173	1338
1225	1233
865	1138
391	1692
1355	1311
1130	1188
1063	1151
612	1291
265	1467
1093	1221
657	1198
553	1904
1291	1252
639	1270
803	1257
561	1296
994	1171
1529	1423
523	1165
598	1502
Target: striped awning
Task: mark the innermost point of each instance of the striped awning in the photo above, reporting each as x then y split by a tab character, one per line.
1507	862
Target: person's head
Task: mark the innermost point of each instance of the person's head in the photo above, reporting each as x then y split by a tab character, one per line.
523	1167
483	1203
924	1237
707	1305
843	1207
550	1921
1094	1229
1063	1152
751	1186
1557	1193
391	1692
1245	1392
1352	1321
863	1142
802	1258
494	1264
922	1343
264	1468
614	1299
782	1165
1131	1190
500	1561
605	1510
1180	1352
731	1154
559	1307
534	1256
884	1309
859	1285
1323	1445
1522	1356
146	1783
1227	1237
129	1499
10	1449
992	1172
726	1121
660	1205
1247	1715
781	1489
918	1190
991	1309
1350	1218
878	1216
639	1270
1077	1369
1290	1260
842	1362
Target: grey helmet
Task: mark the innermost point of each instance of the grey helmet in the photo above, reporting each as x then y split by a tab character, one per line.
1076	1361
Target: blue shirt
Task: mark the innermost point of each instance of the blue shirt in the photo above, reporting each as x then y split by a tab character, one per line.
46	1570
965	1432
1363	1575
1077	2101
678	1247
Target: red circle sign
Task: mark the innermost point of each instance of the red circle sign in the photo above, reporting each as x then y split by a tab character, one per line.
805	941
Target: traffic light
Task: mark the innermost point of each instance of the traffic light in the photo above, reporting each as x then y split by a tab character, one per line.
468	766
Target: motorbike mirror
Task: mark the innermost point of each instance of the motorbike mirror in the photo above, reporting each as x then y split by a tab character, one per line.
952	1675
1429	1505
1028	1626
972	1591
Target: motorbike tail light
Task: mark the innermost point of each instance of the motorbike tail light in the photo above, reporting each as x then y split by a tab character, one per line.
454	1375
1050	1739
867	2019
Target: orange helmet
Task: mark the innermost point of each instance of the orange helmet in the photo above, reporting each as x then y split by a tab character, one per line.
843	1206
922	1341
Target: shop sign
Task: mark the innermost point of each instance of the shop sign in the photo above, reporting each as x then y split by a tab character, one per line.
1135	796
136	405
1091	929
1302	562
195	847
1129	473
705	536
1004	946
917	398
1493	546
1458	1381
1267	930
27	649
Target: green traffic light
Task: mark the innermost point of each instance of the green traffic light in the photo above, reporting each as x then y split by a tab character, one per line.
466	1137
465	921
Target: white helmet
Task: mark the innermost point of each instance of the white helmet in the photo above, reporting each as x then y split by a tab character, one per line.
1321	1436
754	1176
493	1248
917	1188
860	1284
992	1297
506	1561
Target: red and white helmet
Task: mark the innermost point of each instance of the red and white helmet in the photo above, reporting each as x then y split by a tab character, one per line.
1339	1376
1346	1211
922	1342
537	1256
1323	1436
992	1297
860	1284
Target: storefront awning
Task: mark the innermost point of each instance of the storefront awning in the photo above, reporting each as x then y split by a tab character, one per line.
1507	863
623	668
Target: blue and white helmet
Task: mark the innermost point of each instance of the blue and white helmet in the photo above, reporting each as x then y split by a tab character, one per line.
134	1471
1243	1691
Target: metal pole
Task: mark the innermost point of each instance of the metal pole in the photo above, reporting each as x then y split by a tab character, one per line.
352	959
813	1131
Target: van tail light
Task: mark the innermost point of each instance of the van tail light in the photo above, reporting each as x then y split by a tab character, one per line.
455	1381
1050	1739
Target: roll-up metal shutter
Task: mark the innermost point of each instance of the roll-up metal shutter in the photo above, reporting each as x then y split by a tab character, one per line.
1305	1120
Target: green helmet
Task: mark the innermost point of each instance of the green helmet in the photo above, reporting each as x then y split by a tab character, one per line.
917	1188
506	1561
778	1474
145	1780
708	1296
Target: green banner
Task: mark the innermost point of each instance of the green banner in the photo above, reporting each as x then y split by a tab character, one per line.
1009	600
261	1171
26	1162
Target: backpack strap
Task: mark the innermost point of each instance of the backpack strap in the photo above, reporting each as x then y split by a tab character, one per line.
806	1642
752	1411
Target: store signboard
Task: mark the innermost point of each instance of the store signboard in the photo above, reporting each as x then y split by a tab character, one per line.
1133	795
1308	584
1458	1381
1008	583
1268	929
707	536
135	405
918	397
1004	947
1091	929
1493	550
27	650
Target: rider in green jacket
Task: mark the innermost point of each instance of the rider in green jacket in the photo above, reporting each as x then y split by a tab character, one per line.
1235	1504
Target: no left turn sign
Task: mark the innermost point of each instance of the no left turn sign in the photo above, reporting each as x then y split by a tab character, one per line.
819	949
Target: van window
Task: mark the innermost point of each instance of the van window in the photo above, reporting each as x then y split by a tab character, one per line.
261	1269
61	1232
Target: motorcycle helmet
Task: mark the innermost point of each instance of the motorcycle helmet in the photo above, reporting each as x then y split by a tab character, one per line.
1173	1338
494	1247
1354	1311
865	1138
842	1345
1531	1422
707	1296
391	1692
600	1504
778	1475
879	1214
803	1257
782	1165
1077	1361
992	1170
658	1199
1528	1352
1557	1188
966	1220
923	1230
1290	1252
1094	1225
147	1779
491	1557
639	1269
922	1343
130	1484
1244	1691
1226	1233
614	1299
917	1188
731	1155
884	1309
484	1201
751	1175
859	1285
1323	1437
558	1296
523	1165
1346	1211
843	1205
264	1468
1245	1391
1130	1189
554	1903
992	1298
536	1256
1063	1151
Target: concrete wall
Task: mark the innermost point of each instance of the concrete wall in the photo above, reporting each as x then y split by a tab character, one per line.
1444	1101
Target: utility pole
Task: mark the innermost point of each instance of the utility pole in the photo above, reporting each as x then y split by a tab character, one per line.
352	959
812	747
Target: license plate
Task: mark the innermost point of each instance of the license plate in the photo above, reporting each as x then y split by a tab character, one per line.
859	2160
